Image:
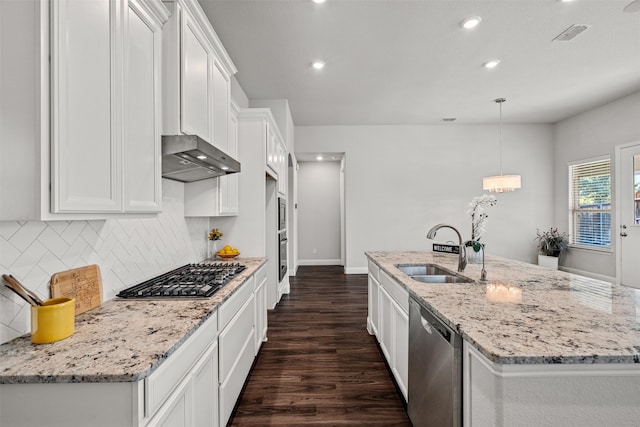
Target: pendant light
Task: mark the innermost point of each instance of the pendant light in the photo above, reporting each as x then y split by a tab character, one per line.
501	183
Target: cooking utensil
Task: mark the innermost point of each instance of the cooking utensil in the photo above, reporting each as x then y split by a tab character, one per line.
84	284
33	295
24	293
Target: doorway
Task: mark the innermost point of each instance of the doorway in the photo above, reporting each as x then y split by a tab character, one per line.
320	209
628	215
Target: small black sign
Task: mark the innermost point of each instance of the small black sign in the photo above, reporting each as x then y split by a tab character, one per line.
448	249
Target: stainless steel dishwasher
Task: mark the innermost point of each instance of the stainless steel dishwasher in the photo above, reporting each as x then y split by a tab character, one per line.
435	370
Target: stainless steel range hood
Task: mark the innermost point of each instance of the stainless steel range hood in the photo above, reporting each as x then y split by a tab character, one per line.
188	158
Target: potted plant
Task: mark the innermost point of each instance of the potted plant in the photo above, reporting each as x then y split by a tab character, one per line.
551	244
478	219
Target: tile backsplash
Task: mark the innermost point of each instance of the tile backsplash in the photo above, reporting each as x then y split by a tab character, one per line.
128	251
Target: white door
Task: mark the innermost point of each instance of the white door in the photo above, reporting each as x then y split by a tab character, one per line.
629	227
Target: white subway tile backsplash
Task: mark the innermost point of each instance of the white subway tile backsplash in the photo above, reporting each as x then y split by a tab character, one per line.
27	234
8	229
128	251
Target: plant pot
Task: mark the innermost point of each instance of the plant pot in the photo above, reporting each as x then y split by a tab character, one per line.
550	262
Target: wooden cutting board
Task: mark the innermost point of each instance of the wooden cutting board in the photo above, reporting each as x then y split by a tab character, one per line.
84	284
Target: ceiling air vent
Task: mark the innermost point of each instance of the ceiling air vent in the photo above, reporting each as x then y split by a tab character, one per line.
570	33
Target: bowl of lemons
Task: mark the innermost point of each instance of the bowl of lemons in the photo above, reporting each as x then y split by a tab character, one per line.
228	252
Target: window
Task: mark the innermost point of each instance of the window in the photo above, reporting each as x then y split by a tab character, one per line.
590	204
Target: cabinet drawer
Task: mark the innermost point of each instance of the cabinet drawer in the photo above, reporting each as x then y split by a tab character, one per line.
169	374
231	388
231	306
374	270
233	338
260	275
395	290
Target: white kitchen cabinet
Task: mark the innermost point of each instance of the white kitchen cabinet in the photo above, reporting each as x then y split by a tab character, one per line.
197	70
373	321
105	60
228	184
72	63
237	351
261	308
282	168
141	111
389	321
196	60
86	85
271	149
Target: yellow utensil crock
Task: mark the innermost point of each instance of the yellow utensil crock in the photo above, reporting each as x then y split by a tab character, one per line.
52	321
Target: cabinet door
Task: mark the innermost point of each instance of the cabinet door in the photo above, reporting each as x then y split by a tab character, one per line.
205	389
373	305
195	93
261	314
221	99
85	146
400	347
178	410
385	328
142	192
228	184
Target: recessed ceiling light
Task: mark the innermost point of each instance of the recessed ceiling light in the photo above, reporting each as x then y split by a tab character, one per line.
319	158
318	65
318	1
471	22
201	157
491	64
565	1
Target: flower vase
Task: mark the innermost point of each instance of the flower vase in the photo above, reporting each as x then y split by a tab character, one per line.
546	261
473	256
213	248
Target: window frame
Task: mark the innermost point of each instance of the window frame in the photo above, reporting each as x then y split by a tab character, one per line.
573	210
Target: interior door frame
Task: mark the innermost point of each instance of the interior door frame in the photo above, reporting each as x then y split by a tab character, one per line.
618	200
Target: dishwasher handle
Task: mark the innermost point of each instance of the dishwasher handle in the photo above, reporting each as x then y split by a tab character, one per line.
430	322
430	327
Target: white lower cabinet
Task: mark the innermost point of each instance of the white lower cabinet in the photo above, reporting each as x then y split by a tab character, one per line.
389	322
237	351
198	385
261	308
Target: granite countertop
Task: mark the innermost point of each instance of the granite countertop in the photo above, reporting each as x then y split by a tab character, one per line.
526	314
123	340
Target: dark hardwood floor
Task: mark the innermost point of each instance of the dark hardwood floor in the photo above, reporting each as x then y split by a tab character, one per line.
320	367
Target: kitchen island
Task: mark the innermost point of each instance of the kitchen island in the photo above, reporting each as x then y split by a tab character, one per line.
140	362
540	347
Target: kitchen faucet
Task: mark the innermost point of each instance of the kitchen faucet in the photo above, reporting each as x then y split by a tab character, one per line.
483	273
462	252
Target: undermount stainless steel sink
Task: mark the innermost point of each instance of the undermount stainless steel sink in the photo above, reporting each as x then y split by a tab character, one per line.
422	270
440	278
430	273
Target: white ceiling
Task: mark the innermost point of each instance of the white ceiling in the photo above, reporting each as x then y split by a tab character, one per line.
409	62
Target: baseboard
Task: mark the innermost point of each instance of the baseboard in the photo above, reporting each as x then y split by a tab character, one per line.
319	262
588	274
356	270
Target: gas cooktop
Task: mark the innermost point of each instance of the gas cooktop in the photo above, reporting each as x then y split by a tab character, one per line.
188	281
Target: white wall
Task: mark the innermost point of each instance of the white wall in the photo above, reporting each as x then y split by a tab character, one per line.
402	180
319	213
591	134
128	251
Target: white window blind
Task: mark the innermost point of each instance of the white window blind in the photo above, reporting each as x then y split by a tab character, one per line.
590	204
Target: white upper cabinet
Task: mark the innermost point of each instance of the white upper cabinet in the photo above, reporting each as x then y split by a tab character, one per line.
105	142
88	140
196	94
228	184
85	81
141	113
197	76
